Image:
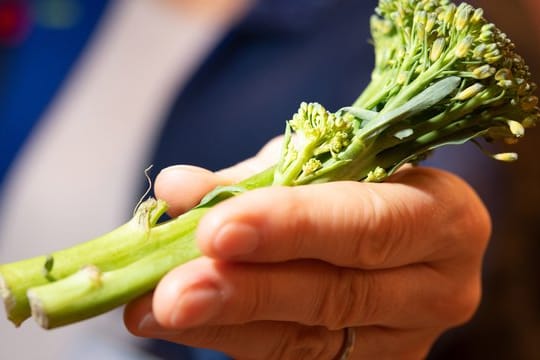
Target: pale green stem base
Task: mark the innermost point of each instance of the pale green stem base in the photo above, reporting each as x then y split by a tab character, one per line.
97	276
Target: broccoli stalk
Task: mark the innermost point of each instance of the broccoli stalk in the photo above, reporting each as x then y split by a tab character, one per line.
443	75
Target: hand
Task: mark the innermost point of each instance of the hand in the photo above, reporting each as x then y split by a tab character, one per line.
287	269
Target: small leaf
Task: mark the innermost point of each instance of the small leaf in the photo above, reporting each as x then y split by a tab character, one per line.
426	99
47	267
221	193
363	114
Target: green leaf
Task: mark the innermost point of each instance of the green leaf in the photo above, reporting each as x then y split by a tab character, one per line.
426	99
362	114
221	193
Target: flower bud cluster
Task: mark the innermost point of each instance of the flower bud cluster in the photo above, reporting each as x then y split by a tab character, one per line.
444	39
319	138
328	132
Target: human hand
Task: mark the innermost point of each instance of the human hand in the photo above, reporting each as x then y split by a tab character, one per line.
287	269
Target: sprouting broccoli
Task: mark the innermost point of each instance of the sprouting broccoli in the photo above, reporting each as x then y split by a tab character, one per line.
443	75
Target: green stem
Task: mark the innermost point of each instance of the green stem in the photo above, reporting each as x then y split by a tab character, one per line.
112	250
90	292
375	92
90	287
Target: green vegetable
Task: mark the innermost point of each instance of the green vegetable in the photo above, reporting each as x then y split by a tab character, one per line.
443	75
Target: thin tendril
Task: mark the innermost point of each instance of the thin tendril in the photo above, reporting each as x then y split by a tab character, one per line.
148	189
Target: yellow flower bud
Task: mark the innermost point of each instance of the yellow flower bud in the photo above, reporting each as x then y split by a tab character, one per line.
447	15
505	84
437	49
477	16
493	58
507	157
483	72
462	49
516	128
430	23
462	16
479	51
469	92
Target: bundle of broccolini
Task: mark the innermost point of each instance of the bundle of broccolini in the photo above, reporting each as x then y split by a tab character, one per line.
443	75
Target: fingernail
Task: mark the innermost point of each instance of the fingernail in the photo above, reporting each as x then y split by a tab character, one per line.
149	324
197	305
236	239
190	168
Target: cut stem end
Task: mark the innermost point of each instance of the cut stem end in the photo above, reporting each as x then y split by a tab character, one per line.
9	301
36	307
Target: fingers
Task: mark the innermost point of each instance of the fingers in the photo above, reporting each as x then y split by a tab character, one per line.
284	340
408	255
254	340
376	342
183	186
209	292
351	224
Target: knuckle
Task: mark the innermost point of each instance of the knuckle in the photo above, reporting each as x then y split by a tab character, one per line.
247	292
375	241
305	343
257	300
346	299
294	223
209	336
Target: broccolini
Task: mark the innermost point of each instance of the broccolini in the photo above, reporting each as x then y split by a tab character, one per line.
443	75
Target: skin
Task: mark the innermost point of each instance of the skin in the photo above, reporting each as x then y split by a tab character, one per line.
287	269
219	12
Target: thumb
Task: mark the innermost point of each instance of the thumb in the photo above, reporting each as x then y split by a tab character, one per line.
183	186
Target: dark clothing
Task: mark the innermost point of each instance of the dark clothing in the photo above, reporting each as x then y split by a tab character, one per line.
258	75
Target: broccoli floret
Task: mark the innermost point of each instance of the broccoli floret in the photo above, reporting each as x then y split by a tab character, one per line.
477	87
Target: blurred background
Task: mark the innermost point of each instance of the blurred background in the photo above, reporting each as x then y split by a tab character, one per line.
88	89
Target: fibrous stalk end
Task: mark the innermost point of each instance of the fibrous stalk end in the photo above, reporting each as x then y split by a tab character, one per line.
37	310
9	301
